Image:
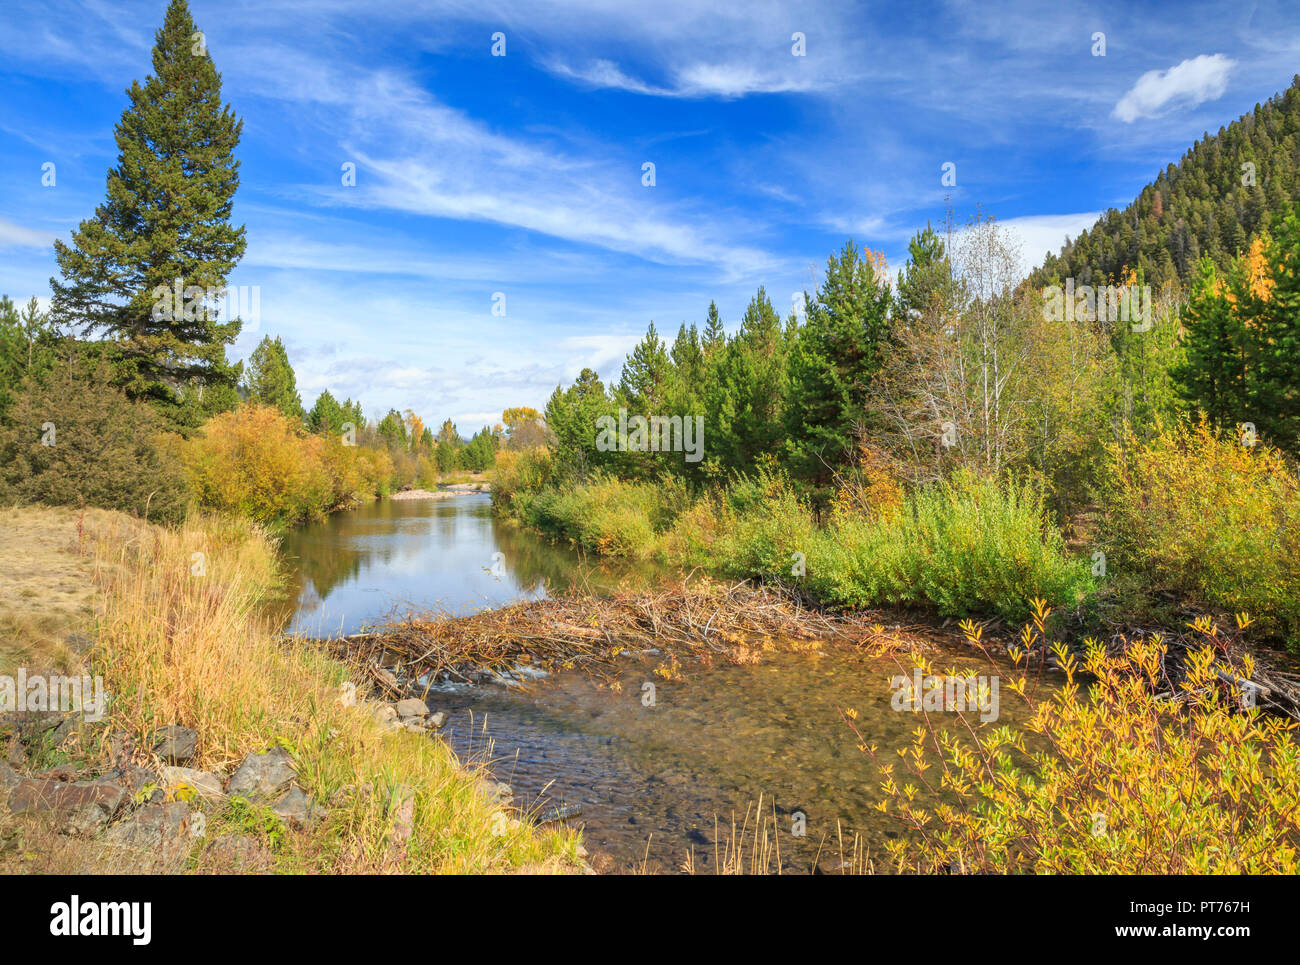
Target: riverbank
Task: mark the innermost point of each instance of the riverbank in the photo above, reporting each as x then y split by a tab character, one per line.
182	647
1188	525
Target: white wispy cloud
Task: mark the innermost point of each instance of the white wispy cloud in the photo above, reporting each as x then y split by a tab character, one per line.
1192	82
697	80
16	236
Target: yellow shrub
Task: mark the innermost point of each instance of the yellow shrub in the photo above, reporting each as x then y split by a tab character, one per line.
257	463
1210	517
1120	780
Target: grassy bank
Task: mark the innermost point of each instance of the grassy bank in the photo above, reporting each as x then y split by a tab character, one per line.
966	545
179	639
1189	521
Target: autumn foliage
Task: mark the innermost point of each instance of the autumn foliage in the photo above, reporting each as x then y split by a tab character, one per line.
258	463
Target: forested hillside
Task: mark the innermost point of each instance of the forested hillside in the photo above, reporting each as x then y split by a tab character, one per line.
1211	202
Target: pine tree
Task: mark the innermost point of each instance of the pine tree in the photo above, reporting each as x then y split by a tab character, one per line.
1212	378
927	281
270	379
447	447
714	335
326	415
839	350
392	429
571	416
744	407
165	223
644	382
1275	320
27	347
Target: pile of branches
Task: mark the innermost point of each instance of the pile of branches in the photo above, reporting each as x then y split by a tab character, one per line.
1271	683
697	617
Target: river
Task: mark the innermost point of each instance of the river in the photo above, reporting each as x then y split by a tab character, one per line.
657	781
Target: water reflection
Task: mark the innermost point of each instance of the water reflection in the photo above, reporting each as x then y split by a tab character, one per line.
450	554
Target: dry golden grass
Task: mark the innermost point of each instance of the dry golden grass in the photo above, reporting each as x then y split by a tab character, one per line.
180	639
46	588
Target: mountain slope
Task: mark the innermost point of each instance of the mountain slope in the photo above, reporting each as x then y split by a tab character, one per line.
1199	205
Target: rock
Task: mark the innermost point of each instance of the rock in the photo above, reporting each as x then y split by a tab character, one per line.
60	734
121	747
78	641
206	785
403	811
437	720
562	813
79	809
16	756
163	831
9	779
130	778
59	772
34	726
176	745
501	793
386	716
415	725
296	808
412	707
263	775
833	866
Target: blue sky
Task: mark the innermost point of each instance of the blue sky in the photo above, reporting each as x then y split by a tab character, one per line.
522	174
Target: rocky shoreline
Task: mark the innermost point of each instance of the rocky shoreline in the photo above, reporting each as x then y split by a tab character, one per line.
150	811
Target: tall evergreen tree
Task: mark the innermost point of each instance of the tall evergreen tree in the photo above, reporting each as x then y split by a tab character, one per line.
326	415
1275	320
644	382
392	429
839	350
571	416
165	223
270	379
1212	378
927	280
744	407
27	347
714	335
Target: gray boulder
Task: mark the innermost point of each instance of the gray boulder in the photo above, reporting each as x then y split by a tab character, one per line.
80	808
412	707
296	808
162	834
263	775
175	745
205	784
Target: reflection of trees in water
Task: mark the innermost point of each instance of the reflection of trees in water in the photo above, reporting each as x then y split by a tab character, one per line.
320	558
531	560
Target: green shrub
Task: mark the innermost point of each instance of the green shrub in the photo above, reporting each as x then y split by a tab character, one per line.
1199	513
74	438
966	545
